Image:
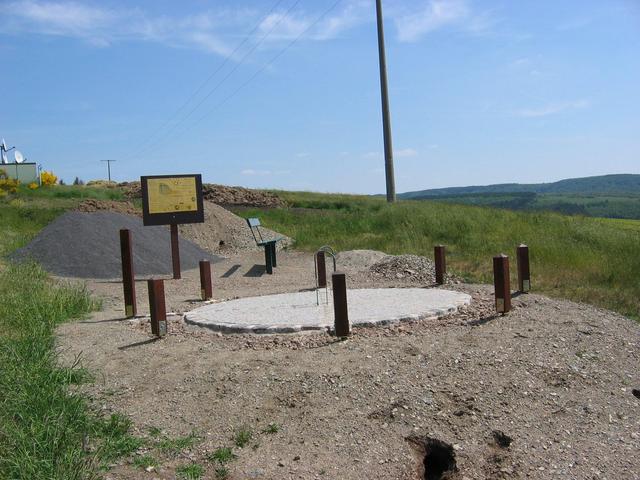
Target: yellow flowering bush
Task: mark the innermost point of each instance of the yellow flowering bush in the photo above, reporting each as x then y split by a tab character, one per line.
32	185
7	185
48	178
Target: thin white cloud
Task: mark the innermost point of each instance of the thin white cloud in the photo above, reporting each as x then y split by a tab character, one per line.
553	108
371	155
405	152
434	15
211	31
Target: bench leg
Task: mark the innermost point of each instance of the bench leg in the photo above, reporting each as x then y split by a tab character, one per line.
273	255
267	259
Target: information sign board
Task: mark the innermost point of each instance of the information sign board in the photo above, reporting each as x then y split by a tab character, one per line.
172	199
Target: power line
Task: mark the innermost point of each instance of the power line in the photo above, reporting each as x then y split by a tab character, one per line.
208	79
268	64
231	72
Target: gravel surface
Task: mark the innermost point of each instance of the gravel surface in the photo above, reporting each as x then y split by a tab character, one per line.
87	245
545	392
225	233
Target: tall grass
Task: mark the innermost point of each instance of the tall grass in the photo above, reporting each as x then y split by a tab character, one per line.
72	191
44	421
585	259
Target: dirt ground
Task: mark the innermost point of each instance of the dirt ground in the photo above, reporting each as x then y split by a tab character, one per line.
547	391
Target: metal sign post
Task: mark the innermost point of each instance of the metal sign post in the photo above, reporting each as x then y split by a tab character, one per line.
502	283
128	277
172	200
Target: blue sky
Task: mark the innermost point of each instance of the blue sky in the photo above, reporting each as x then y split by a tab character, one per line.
286	94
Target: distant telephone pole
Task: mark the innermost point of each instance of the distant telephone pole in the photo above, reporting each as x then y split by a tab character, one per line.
386	116
108	167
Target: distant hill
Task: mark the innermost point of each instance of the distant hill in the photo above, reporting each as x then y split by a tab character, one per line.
612	184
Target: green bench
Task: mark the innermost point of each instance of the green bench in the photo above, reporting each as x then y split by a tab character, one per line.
268	244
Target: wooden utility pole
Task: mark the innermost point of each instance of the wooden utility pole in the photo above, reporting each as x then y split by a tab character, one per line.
108	168
386	116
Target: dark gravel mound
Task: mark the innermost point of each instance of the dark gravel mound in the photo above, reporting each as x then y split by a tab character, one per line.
87	245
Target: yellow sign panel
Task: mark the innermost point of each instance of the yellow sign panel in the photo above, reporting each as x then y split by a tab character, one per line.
172	194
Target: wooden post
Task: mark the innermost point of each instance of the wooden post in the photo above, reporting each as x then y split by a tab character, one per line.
322	269
175	251
340	309
524	276
157	307
128	277
205	280
502	283
441	263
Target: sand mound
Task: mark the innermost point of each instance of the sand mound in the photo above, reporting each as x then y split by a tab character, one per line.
225	233
87	245
358	260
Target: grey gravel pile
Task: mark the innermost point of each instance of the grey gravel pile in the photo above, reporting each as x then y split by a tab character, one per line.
87	245
405	266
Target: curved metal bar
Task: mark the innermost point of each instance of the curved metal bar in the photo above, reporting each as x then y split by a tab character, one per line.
327	250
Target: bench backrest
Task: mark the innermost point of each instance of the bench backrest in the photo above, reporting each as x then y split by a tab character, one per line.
254	223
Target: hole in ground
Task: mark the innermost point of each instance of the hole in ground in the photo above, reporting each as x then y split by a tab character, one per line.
439	459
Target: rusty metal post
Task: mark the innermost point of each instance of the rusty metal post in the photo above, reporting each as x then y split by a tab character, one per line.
322	269
441	263
175	251
157	307
340	310
128	277
205	280
524	276
502	283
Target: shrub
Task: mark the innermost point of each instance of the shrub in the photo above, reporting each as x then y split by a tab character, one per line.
7	185
48	178
32	186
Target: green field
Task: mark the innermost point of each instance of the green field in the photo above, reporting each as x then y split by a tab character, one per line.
604	205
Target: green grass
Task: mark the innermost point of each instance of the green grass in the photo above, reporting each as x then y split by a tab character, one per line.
222	472
192	471
71	191
271	428
585	259
48	429
145	461
222	455
243	436
176	445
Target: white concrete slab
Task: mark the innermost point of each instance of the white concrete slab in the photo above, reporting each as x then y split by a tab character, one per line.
295	312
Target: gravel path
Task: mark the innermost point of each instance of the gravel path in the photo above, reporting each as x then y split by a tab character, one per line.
546	391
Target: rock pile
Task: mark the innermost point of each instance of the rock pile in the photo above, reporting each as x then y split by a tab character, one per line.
92	205
221	194
411	267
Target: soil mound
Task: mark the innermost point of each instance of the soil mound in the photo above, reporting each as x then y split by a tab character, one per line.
221	194
93	205
87	245
225	233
